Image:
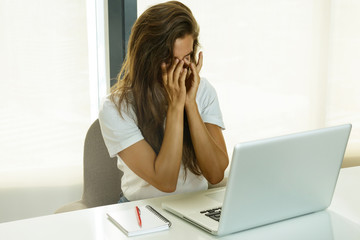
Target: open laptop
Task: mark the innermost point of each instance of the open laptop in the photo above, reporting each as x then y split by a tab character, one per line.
270	180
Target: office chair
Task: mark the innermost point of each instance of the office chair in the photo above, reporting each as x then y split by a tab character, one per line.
102	178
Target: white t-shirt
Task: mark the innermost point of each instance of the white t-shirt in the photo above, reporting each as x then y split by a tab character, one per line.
122	132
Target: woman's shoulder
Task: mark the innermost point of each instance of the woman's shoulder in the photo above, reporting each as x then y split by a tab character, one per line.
107	103
205	88
111	105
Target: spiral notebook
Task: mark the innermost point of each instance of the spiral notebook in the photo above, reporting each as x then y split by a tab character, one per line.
152	221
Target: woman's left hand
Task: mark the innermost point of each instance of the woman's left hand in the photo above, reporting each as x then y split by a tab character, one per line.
193	80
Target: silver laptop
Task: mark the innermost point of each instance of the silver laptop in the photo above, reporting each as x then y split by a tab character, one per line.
270	180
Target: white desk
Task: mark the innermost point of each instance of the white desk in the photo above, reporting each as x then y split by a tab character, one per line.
93	224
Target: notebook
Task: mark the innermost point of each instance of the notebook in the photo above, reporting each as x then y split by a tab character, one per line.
152	221
270	180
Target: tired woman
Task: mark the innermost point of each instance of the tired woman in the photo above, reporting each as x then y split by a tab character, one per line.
161	120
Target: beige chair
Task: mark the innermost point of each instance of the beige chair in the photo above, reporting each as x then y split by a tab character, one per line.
102	178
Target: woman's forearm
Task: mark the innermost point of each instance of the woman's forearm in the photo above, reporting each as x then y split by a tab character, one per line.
168	161
160	170
209	145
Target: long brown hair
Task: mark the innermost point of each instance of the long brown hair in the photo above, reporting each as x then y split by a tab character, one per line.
139	83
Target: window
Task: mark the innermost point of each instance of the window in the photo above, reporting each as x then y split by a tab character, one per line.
44	96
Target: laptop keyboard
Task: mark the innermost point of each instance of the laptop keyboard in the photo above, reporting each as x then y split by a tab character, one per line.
213	213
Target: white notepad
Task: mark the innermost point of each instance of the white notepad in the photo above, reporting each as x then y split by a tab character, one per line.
152	221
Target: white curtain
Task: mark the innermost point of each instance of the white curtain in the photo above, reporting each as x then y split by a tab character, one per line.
281	66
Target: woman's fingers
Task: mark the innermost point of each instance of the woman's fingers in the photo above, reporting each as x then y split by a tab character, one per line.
193	68
182	83
174	76
171	70
200	62
164	73
195	72
171	75
182	78
178	70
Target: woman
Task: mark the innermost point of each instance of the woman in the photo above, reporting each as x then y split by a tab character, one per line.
162	122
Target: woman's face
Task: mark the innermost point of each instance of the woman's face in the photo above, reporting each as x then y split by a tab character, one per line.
183	48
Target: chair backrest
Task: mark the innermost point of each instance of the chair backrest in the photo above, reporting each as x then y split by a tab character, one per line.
102	178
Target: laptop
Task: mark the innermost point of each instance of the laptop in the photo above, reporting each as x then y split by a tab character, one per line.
270	180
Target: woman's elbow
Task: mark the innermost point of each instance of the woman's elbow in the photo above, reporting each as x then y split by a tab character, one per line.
215	179
166	187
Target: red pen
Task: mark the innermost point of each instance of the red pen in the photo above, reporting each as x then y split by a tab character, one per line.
138	213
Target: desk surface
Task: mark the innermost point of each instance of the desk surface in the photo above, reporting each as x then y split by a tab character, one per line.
340	221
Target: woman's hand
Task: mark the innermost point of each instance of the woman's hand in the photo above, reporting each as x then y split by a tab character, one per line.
174	81
193	80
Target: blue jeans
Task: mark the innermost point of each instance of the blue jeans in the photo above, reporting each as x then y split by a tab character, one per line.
123	199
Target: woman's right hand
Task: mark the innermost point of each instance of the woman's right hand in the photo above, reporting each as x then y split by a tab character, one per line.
174	81
161	169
